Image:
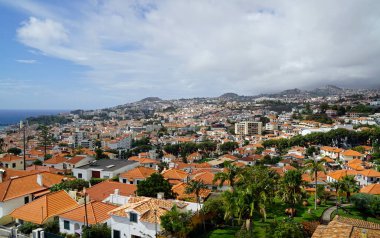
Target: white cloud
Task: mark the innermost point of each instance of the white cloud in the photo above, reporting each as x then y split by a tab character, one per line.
199	48
27	61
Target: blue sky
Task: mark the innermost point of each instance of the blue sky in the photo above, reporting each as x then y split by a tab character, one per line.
94	54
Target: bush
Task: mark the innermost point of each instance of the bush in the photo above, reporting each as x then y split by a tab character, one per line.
367	204
52	226
27	228
287	228
67	185
97	231
94	181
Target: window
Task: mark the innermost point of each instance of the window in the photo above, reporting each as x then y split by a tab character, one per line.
132	217
124	180
6	165
116	234
79	175
66	225
13	165
26	200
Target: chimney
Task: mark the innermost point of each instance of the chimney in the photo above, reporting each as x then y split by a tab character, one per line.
160	195
116	191
2	171
39	179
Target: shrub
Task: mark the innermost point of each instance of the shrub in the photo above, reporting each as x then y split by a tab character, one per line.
27	227
367	204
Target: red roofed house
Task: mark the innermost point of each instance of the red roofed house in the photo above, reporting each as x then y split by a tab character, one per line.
134	176
71	222
12	161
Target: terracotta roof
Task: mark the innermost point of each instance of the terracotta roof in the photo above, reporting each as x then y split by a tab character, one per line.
13	173
144	160
76	159
180	191
338	174
137	173
22	186
149	209
321	177
371	189
102	190
369	173
41	209
207	178
174	174
55	160
10	158
40	168
351	153
328	159
97	212
344	227
331	149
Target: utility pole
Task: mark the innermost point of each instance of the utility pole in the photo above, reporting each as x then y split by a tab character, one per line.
85	212
23	128
155	218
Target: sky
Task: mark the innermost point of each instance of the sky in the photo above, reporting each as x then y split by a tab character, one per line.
94	54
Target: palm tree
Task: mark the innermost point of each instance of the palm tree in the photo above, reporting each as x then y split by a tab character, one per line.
349	185
230	174
290	188
314	167
337	185
196	186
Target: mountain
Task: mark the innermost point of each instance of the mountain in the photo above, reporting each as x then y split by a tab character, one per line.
229	95
327	91
151	99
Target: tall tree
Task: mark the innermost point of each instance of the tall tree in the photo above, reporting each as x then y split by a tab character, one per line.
229	174
337	185
153	185
45	139
314	166
349	186
290	188
196	186
2	144
176	222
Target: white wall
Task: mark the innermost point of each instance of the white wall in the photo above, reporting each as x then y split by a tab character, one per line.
127	228
7	207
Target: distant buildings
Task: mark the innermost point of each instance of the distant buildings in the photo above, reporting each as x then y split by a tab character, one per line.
248	128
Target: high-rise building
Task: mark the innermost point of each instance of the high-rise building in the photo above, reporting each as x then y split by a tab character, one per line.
248	128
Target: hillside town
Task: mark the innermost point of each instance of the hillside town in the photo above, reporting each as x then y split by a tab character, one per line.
302	162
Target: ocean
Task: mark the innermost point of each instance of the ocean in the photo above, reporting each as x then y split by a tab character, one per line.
10	117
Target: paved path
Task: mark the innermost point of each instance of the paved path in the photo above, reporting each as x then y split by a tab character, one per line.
327	213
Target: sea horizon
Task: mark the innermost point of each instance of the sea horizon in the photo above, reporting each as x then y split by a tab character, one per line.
14	116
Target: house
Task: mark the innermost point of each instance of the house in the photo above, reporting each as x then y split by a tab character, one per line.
180	191
57	162
368	176
18	191
12	161
168	158
336	175
146	162
102	191
348	155
332	152
45	208
134	176
250	160
123	143
175	176
194	157
71	222
208	179
140	216
78	161
104	168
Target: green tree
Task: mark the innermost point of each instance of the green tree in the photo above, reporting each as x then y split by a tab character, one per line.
45	139
176	222
359	149
154	184
14	150
230	174
228	147
290	190
349	186
314	166
2	145
196	186
97	231
37	162
337	185
67	185
286	229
